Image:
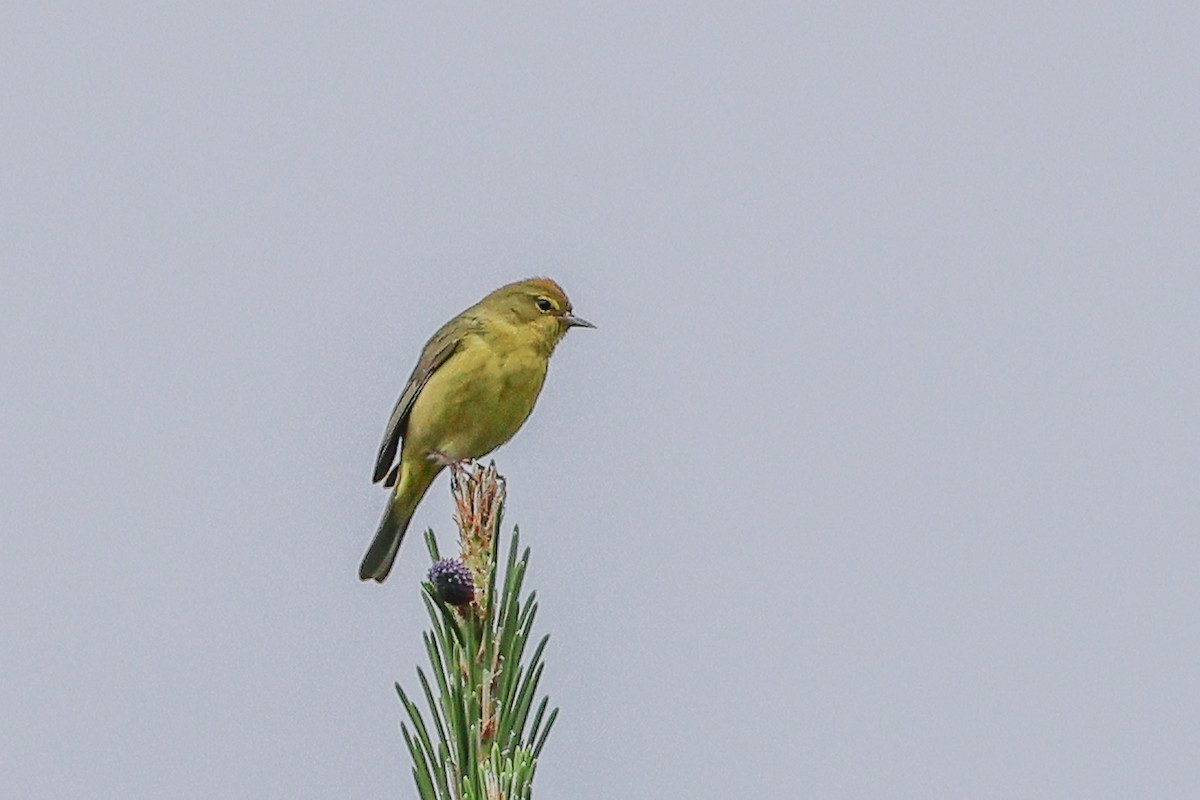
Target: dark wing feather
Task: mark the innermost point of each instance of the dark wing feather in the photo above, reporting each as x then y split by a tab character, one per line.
437	350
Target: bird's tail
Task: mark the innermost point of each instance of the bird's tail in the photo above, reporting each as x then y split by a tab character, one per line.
377	563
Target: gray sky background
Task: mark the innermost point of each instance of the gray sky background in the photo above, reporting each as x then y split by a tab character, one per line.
879	478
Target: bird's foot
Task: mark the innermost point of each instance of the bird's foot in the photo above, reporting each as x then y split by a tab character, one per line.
440	458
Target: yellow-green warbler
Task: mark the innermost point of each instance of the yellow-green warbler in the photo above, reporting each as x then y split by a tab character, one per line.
473	387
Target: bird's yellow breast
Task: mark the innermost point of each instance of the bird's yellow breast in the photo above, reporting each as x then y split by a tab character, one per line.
480	397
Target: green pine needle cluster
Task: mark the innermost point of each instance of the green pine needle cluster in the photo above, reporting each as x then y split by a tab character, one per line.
480	734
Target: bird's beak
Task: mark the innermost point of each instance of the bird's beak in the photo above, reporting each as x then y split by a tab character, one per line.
572	321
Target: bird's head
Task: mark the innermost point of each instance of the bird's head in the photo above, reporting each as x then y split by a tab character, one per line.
540	305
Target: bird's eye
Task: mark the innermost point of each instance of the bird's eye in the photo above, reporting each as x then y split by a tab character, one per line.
544	304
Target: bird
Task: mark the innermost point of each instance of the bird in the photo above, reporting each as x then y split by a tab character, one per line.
474	385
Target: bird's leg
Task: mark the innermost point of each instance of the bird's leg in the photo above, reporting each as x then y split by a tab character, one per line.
455	464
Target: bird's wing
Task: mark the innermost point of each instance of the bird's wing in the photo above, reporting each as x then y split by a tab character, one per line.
437	350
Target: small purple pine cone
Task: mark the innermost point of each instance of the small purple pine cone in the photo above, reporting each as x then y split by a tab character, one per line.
452	582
